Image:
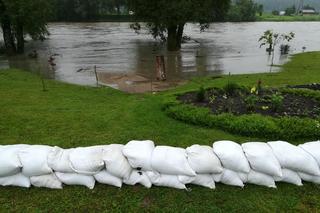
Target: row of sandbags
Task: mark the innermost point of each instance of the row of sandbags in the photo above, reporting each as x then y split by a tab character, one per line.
141	162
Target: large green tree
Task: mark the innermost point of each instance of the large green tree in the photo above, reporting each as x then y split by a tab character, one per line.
166	19
21	18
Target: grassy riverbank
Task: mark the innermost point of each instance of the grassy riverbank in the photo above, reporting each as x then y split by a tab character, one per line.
69	116
275	18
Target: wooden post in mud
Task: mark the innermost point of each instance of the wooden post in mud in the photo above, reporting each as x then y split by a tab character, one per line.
95	72
161	68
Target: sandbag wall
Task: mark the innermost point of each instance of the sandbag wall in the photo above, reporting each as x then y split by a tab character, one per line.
141	162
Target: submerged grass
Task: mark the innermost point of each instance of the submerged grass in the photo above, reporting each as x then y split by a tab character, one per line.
69	116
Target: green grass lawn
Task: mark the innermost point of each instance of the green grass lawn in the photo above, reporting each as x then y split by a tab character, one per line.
271	17
69	116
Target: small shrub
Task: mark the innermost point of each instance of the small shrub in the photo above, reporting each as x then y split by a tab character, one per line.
231	88
201	94
276	101
251	102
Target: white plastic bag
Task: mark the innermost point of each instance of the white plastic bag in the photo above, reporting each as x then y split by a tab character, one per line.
76	179
294	158
262	159
47	181
231	156
229	177
105	177
203	160
16	180
87	160
289	176
9	161
310	178
261	179
313	148
58	160
116	163
138	177
34	160
205	180
139	154
171	181
171	161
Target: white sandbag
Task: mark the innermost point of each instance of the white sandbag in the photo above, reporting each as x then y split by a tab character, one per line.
15	180
34	160
229	177
139	154
58	160
262	159
231	156
105	177
87	160
171	161
261	179
203	160
294	158
76	179
243	176
289	176
47	181
205	180
310	178
171	181
116	163
9	161
138	177
313	148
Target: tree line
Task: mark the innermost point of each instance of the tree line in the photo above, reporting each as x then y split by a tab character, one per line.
165	19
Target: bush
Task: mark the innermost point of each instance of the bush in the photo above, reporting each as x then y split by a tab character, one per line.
231	88
201	94
276	101
251	102
284	128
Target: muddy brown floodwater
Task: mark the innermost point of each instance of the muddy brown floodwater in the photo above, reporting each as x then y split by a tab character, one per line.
127	61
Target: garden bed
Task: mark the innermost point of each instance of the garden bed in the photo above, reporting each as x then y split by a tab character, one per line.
240	101
313	86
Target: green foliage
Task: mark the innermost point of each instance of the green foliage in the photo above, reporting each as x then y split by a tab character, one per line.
251	102
24	17
201	94
285	128
87	10
231	88
303	92
244	10
166	18
260	9
272	39
291	10
276	101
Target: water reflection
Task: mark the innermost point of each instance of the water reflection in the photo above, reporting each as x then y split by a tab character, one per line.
119	53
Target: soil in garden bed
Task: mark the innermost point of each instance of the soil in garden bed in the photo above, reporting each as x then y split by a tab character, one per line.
314	86
264	103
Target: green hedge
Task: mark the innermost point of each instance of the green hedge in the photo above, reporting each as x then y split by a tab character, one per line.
254	125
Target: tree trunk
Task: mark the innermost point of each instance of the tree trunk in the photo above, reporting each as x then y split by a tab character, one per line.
8	38
20	38
175	33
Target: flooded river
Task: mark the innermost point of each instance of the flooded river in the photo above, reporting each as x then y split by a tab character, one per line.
124	58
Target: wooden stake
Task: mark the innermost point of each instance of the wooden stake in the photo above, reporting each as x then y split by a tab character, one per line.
95	72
